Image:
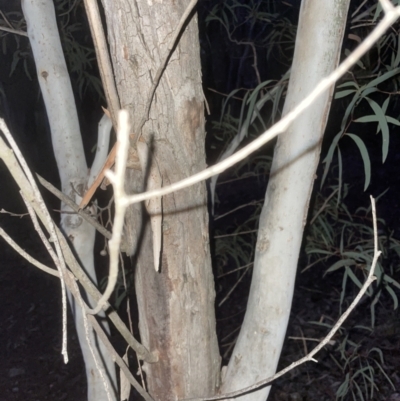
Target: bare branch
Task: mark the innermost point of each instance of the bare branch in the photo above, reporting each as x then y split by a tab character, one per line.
309	357
37	198
283	124
15	169
68	201
15	31
28	257
105	68
117	180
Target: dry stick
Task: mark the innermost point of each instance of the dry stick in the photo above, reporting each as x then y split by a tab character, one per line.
235	285
110	90
51	228
103	337
283	124
309	357
105	68
322	208
56	261
109	84
117	181
28	257
118	360
15	169
68	201
15	31
89	336
75	292
96	183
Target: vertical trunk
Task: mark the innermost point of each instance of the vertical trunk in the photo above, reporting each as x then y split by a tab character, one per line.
257	351
176	305
68	149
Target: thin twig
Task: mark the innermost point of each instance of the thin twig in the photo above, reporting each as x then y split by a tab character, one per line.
252	203
117	181
26	255
322	208
309	357
15	31
68	201
57	262
20	178
234	286
119	361
284	123
73	287
105	68
235	270
103	337
37	197
234	234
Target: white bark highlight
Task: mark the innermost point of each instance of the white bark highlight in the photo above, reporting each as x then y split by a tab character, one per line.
154	205
68	148
103	142
260	341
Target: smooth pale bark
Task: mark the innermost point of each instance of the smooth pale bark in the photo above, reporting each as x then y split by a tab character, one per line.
68	149
317	51
176	304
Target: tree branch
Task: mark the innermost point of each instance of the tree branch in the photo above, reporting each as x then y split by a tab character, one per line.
309	357
68	201
15	169
105	68
284	123
28	257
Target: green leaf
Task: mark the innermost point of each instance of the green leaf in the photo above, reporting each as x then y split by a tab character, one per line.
342	94
329	156
383	127
364	154
372	118
344	387
340	263
225	103
396	61
392	120
353	277
384	77
393	295
367	91
391	280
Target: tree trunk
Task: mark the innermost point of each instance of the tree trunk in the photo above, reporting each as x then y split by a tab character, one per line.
176	304
317	52
68	149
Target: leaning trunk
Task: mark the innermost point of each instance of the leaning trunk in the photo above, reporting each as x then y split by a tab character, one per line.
282	220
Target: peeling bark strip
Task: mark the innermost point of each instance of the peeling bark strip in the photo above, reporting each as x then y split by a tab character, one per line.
152	173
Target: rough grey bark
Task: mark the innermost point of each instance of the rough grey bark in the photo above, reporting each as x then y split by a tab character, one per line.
256	354
176	305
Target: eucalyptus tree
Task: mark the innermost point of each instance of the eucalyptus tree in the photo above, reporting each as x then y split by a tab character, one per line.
151	68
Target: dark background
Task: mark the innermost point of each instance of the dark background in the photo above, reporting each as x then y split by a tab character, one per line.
31	365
